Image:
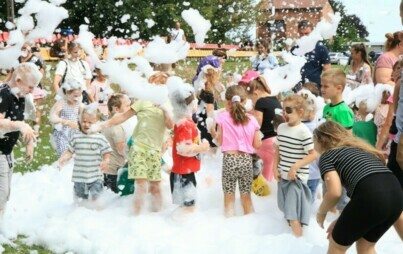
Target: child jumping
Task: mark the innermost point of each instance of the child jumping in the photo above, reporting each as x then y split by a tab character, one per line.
92	153
64	115
238	135
293	154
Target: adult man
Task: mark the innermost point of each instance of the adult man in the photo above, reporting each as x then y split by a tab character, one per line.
25	78
177	34
318	59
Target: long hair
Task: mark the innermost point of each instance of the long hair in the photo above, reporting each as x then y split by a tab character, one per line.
360	49
211	78
331	135
258	84
393	40
237	110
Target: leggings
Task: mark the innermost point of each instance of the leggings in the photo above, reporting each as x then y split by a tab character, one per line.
237	168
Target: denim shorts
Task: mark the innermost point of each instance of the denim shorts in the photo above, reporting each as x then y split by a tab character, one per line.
83	190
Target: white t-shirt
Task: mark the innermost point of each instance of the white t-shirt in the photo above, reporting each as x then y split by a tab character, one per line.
177	35
78	70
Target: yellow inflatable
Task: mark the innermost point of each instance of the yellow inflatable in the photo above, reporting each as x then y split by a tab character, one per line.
260	186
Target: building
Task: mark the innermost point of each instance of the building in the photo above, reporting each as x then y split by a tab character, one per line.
278	19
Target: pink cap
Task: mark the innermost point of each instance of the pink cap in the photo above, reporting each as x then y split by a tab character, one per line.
248	76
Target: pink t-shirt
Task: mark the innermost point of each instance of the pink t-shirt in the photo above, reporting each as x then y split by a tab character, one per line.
386	60
237	137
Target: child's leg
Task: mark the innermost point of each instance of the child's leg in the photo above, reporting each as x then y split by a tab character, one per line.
229	204
266	153
155	191
296	228
245	168
399	226
140	192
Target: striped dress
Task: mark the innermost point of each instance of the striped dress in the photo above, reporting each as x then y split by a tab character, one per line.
62	136
88	150
294	143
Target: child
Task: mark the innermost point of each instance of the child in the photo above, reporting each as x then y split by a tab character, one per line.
333	84
238	136
265	106
148	137
311	122
100	90
293	154
64	115
366	128
118	103
186	148
376	196
92	153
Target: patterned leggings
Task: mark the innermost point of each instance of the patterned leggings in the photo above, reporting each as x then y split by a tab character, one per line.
237	167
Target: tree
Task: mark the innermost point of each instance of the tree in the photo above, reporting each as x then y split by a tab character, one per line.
351	29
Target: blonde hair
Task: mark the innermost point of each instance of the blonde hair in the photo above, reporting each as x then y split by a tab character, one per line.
332	135
258	84
211	77
335	76
237	110
27	72
299	102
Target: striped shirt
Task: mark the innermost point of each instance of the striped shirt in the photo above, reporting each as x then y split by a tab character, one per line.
352	164
294	143
88	150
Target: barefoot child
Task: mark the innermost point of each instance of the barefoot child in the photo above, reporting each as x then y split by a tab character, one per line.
64	115
186	148
238	135
92	153
293	154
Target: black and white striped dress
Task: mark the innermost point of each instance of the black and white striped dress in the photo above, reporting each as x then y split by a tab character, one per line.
352	164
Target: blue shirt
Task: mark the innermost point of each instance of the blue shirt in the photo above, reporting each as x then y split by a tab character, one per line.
263	62
314	60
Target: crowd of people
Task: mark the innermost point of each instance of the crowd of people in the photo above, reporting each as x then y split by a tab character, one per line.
358	159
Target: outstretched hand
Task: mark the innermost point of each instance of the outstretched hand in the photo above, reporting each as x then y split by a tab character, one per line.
28	134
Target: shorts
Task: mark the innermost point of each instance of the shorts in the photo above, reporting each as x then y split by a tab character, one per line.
376	204
84	190
183	189
144	163
237	168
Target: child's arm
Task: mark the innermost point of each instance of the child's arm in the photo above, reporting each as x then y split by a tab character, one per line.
384	134
292	173
115	120
54	116
275	163
169	122
331	197
257	140
30	152
218	136
6	125
105	162
65	157
190	150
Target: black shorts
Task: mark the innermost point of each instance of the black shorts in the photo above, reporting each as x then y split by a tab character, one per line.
393	165
183	189
376	204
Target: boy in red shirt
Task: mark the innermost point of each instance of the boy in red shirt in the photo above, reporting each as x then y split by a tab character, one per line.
186	147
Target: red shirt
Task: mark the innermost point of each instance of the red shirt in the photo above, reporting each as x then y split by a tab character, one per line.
185	133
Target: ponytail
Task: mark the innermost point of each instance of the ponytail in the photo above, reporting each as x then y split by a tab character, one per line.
236	95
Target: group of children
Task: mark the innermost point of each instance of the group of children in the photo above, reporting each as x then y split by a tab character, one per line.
279	130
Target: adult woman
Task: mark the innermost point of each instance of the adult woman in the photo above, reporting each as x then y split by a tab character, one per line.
265	105
360	69
376	196
384	64
264	60
74	68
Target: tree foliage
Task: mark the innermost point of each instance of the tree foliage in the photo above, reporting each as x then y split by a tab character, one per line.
105	16
351	29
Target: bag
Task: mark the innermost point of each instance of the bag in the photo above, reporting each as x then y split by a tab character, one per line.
260	186
123	183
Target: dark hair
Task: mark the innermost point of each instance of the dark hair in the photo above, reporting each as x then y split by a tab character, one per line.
237	111
304	24
312	87
360	48
115	101
393	40
258	83
277	120
220	53
265	44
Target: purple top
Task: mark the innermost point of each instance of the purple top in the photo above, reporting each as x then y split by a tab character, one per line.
208	60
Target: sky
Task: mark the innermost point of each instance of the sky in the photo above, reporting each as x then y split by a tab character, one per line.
379	16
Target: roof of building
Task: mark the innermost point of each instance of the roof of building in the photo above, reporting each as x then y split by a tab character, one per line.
293	4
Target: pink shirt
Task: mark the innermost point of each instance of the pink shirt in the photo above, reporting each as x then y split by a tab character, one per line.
237	137
386	60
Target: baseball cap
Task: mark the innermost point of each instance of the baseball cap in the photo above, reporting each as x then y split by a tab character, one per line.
248	76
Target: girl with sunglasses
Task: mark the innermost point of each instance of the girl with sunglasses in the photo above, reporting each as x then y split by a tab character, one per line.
293	154
376	196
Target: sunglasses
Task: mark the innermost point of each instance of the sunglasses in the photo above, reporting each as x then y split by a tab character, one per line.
288	110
